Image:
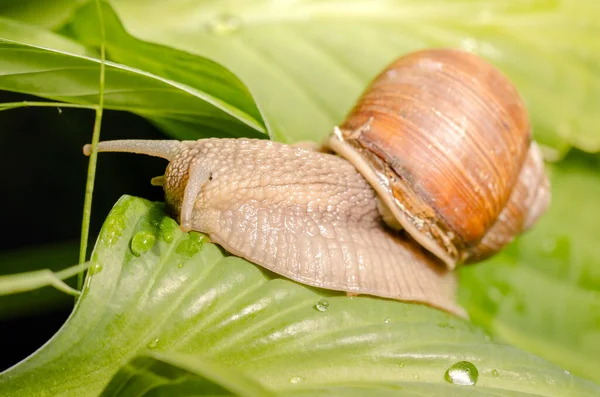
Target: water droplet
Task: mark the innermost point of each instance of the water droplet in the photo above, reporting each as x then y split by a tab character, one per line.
224	24
295	379
401	364
416	376
387	320
191	245
153	344
180	265
167	229
113	228
495	373
95	269
567	373
322	305
142	241
462	373
168	237
198	238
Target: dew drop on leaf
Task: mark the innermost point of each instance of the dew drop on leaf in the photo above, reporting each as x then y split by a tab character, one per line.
495	373
387	320
153	344
167	229
191	245
295	379
322	305
224	24
198	238
95	269
142	241
180	265
462	373
401	364
113	229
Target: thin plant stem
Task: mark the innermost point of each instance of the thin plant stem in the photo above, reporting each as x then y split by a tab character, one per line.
91	175
30	281
23	104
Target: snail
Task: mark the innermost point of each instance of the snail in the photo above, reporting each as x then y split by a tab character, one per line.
433	168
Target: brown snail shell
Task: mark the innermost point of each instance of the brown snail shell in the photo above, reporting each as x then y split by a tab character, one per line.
443	136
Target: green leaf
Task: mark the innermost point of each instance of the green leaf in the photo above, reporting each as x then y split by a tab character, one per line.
68	77
182	294
179	374
34	35
43	13
179	66
306	62
543	293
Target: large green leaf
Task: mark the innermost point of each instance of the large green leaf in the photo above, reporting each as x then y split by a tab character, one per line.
306	61
153	287
543	293
176	374
182	67
218	109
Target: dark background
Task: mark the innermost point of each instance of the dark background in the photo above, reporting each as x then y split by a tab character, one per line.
43	185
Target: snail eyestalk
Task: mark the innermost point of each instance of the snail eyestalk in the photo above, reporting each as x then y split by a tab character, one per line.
158	181
165	149
197	178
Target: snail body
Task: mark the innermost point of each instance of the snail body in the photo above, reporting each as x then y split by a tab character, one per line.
454	180
306	215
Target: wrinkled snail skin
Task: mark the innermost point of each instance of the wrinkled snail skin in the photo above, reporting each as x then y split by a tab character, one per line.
306	215
442	136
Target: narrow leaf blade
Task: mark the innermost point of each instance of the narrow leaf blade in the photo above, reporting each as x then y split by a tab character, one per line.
63	76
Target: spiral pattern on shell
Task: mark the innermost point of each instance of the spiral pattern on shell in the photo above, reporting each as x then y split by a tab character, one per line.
450	134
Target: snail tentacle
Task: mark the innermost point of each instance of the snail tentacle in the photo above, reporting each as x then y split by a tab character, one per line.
198	176
165	149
